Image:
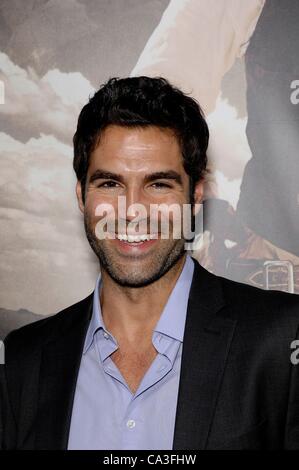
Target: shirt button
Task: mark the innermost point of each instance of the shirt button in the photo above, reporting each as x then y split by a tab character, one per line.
106	335
131	424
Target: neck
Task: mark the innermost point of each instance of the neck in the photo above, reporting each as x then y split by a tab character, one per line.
129	312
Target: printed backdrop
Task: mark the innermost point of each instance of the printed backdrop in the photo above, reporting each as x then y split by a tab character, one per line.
237	58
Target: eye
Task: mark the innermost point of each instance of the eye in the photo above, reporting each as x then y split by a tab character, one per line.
108	184
161	185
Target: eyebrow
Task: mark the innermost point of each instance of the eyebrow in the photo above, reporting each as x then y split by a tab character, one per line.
105	175
159	175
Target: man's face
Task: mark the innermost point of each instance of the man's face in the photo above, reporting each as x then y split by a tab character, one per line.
145	166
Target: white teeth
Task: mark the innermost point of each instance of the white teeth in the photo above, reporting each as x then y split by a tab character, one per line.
135	238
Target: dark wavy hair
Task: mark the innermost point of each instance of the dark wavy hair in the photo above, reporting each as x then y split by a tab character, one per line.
139	102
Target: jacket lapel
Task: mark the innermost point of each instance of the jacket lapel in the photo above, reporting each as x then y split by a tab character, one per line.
207	338
60	363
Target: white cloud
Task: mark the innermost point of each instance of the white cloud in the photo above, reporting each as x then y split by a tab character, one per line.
48	105
71	88
43	245
43	242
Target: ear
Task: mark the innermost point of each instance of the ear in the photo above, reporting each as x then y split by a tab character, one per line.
198	192
79	196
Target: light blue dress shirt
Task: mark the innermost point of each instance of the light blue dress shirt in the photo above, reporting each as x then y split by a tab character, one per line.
106	414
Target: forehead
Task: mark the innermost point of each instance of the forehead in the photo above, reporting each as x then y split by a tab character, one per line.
137	148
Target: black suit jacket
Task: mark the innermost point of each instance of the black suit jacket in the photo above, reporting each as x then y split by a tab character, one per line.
238	388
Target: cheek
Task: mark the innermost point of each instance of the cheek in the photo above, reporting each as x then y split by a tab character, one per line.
174	197
97	205
101	215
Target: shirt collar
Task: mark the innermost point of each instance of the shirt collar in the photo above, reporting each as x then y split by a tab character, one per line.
173	318
96	322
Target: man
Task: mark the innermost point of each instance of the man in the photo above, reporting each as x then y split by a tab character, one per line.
163	354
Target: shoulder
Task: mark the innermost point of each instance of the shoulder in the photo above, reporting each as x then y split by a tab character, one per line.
269	315
254	298
30	338
250	305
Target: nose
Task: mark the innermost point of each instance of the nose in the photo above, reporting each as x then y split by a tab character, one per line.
137	203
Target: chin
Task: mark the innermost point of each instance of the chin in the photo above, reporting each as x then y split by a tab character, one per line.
134	281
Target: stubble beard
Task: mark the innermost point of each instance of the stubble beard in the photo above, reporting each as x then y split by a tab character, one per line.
160	261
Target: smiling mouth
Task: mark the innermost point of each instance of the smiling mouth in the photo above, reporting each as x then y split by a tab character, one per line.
135	244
